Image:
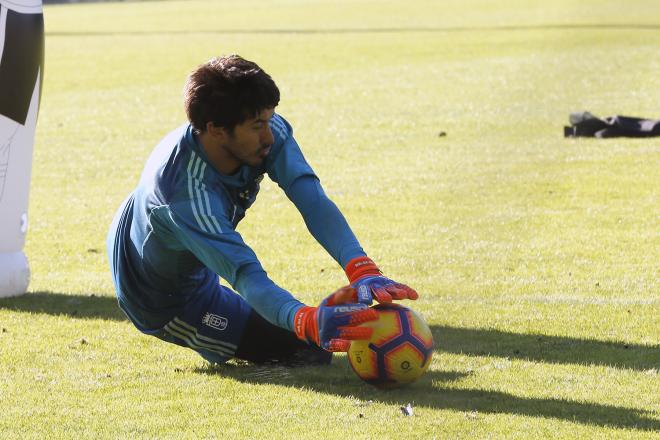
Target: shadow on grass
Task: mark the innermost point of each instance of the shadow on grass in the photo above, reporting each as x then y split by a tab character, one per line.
92	306
468	341
434	391
543	348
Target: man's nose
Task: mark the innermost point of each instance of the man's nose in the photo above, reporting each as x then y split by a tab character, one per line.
267	137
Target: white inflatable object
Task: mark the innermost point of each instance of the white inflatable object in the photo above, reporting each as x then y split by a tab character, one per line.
21	72
15	273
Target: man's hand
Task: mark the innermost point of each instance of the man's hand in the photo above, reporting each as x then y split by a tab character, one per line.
364	275
333	324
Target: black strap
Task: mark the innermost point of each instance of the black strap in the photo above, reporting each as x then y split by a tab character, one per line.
22	58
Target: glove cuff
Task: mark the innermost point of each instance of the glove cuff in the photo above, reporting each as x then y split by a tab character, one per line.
360	267
305	325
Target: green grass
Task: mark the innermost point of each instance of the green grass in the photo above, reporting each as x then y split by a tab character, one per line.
536	256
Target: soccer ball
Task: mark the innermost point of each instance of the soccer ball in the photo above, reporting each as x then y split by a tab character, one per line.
399	351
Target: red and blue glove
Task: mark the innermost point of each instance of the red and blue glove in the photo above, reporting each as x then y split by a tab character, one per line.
334	323
368	280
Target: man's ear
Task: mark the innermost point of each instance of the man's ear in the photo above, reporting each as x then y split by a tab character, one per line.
216	131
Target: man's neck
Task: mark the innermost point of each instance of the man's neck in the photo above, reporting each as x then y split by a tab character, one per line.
221	159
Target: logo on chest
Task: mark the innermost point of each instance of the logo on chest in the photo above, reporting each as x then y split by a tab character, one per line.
251	190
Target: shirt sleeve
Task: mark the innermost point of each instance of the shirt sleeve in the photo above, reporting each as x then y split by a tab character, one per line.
295	176
208	234
285	163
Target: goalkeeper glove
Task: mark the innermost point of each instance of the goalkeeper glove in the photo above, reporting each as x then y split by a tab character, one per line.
334	323
364	275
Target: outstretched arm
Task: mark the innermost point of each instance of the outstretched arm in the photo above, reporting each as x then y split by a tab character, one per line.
287	166
324	220
327	224
330	326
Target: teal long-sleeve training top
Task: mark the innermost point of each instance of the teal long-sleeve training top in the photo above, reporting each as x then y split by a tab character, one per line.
176	232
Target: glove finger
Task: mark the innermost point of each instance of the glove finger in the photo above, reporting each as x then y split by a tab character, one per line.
381	295
355	332
412	293
344	295
401	291
386	281
336	345
362	316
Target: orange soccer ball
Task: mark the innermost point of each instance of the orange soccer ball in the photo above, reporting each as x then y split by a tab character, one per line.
399	351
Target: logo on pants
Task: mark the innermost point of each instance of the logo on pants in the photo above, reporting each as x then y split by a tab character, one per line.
215	321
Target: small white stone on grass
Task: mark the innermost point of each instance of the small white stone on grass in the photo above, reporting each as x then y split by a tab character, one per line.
407	410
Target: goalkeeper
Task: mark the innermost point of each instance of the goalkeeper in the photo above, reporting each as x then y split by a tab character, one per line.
176	233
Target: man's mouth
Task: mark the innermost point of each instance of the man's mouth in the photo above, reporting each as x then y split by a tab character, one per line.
264	152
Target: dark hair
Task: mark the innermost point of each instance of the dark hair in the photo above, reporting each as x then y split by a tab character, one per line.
227	91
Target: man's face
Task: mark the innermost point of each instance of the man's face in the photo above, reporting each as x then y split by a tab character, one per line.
251	141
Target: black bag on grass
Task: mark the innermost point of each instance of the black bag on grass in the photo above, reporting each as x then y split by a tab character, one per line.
584	124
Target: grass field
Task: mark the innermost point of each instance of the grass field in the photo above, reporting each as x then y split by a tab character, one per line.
536	257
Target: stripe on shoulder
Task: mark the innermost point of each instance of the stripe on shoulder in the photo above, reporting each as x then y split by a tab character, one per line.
199	197
279	127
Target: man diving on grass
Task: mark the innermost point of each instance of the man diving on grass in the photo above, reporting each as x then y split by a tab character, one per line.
176	233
